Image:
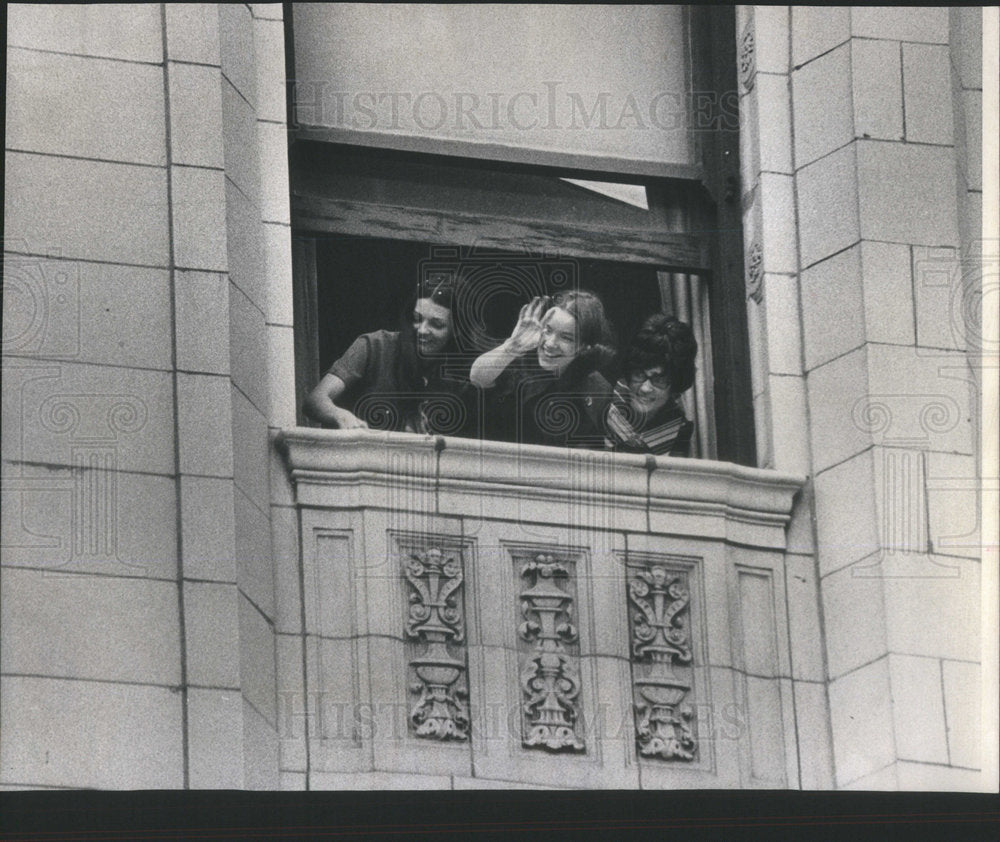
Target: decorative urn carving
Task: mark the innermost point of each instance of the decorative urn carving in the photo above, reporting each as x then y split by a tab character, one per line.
659	641
435	620
550	677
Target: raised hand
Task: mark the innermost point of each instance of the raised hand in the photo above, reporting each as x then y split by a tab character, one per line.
528	331
525	337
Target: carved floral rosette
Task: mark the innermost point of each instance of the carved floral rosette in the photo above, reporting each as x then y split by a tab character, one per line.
660	598
436	625
550	674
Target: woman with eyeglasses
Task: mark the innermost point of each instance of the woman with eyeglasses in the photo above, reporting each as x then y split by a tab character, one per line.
400	380
644	415
542	385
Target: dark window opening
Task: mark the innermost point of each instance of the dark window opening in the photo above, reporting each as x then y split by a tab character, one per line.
359	284
387	270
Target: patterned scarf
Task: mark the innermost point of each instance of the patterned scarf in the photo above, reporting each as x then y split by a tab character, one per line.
628	430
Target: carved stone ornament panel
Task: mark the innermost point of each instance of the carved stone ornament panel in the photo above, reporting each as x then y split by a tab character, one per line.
747	56
435	624
661	647
755	272
549	662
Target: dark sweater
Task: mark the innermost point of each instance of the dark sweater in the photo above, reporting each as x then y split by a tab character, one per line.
530	405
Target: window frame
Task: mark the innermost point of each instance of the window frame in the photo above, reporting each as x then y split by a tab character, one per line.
712	52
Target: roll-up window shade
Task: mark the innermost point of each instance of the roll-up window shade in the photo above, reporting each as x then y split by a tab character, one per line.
606	83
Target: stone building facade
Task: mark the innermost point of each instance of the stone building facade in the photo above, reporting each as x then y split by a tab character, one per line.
199	592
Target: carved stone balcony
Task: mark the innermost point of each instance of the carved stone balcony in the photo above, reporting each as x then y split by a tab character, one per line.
481	613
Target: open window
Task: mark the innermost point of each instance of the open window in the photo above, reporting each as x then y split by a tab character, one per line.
646	220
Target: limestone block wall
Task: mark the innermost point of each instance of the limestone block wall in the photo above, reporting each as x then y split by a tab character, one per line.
145	211
93	651
861	206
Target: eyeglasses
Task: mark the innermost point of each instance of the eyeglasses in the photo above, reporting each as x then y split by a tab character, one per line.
657	379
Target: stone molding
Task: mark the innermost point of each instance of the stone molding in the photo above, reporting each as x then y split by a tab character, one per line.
702	498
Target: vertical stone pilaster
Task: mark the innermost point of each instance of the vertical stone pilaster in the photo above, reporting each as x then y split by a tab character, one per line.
786	39
216	713
877	153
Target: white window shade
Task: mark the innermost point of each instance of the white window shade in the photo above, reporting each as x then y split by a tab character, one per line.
630	194
600	87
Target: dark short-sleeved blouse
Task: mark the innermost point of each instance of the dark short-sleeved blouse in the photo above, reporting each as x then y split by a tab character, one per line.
377	394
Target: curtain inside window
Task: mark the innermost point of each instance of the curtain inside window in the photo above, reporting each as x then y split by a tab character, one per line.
685	296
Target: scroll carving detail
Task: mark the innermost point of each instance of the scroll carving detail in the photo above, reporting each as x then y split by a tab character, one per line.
550	676
660	641
435	620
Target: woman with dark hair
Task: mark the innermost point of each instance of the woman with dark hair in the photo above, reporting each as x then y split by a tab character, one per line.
399	380
644	415
555	395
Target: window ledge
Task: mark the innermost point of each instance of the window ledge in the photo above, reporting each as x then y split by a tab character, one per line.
341	469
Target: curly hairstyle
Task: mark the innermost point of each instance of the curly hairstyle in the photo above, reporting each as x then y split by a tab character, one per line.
594	331
663	341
